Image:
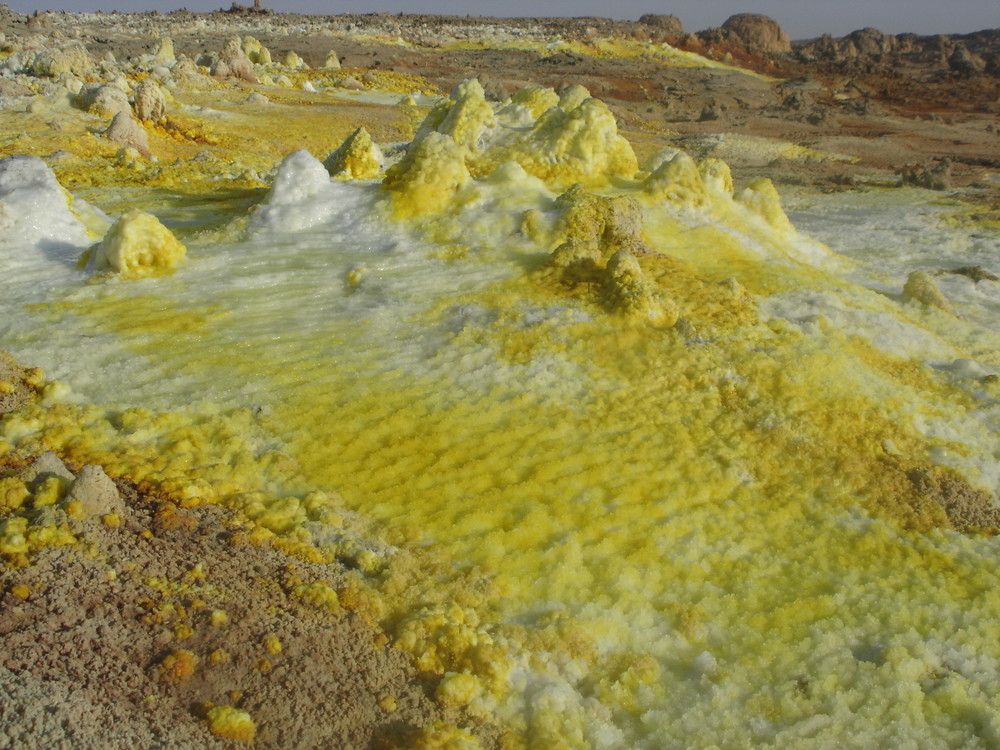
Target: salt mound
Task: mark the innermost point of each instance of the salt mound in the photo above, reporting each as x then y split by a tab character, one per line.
581	144
332	62
36	211
761	197
528	104
165	51
139	245
465	116
105	100
293	61
300	176
302	196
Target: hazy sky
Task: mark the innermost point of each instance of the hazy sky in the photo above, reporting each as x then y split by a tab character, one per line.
800	18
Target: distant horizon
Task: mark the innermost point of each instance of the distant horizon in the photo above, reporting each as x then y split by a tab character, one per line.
801	20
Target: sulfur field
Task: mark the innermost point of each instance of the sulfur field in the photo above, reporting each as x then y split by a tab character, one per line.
397	406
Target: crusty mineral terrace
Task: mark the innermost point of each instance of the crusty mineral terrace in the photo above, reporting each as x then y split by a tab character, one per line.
611	449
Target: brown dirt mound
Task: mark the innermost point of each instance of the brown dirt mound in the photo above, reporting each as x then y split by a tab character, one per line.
129	637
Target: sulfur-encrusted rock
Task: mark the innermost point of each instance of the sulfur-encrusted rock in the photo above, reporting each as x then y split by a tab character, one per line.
612	223
678	181
351	84
464	116
426	179
293	61
921	287
357	158
577	253
138	245
627	292
256	52
332	62
164	54
185	67
14	392
565	146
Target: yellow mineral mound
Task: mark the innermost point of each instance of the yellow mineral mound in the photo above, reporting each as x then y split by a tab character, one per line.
561	140
256	52
921	287
534	100
139	245
678	181
627	292
165	51
564	146
761	197
231	723
716	175
428	177
466	116
613	223
357	158
292	60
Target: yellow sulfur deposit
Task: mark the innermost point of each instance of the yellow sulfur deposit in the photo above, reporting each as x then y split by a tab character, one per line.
357	158
920	287
427	179
678	181
440	736
21	591
761	197
13	493
536	100
458	689
231	723
178	665
138	245
564	146
619	455
319	595
465	117
626	291
272	644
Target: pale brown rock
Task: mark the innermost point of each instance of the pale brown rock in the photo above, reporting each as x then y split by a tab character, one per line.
126	132
150	103
758	33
